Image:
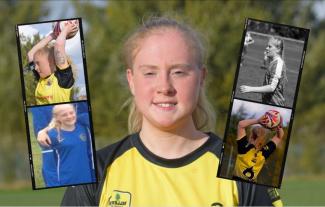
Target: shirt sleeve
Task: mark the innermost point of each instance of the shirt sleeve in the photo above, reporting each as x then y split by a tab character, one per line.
268	149
243	145
53	135
81	195
257	195
65	77
277	73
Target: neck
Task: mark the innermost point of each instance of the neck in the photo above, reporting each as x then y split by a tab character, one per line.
68	127
172	143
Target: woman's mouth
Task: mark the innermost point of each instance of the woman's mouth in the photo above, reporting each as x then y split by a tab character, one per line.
166	106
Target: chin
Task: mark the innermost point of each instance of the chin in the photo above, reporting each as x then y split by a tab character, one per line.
168	124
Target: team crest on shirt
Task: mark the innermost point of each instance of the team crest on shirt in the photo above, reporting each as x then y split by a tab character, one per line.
119	199
83	137
49	82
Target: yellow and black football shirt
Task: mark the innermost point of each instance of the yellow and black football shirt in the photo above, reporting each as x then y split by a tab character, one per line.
55	88
130	175
250	161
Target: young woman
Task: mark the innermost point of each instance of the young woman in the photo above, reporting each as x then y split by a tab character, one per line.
167	160
252	150
275	76
51	67
72	145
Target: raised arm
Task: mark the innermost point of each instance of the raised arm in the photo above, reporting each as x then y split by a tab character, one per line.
241	132
39	45
278	137
59	48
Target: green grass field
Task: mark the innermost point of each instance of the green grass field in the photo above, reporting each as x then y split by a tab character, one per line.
294	192
37	156
303	192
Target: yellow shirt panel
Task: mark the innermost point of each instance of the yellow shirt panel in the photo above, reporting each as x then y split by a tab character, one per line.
48	91
249	165
133	180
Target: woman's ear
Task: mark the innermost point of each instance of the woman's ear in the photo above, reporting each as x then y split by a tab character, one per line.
129	76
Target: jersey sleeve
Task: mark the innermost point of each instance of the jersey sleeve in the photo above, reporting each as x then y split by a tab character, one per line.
277	68
53	135
268	149
243	145
81	195
257	195
65	77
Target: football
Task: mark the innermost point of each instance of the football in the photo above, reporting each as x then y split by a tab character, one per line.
59	26
271	119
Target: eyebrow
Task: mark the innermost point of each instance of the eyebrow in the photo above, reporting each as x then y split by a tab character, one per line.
183	66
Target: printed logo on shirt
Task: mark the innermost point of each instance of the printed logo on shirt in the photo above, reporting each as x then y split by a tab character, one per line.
119	199
49	83
83	137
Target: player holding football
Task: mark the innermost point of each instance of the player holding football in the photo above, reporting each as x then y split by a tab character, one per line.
275	76
51	67
167	160
252	150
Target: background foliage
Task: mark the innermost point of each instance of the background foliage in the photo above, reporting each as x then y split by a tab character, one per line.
106	27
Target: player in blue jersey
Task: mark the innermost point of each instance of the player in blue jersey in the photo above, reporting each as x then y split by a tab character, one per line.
41	119
72	145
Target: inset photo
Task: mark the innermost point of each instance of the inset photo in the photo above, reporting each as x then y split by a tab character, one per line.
51	61
271	63
256	143
62	145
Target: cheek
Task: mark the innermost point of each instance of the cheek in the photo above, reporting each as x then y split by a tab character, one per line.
189	90
143	90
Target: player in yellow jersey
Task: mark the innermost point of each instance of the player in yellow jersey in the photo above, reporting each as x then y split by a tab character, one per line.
252	150
52	68
167	160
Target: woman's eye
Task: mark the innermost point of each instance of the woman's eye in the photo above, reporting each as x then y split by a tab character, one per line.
179	72
149	73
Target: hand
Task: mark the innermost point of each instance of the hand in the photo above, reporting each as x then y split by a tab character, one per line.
70	27
263	120
52	35
43	138
245	89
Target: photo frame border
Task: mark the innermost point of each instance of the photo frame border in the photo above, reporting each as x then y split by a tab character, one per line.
26	107
232	97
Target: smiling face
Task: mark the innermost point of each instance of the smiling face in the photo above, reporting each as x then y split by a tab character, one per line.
65	115
271	49
165	80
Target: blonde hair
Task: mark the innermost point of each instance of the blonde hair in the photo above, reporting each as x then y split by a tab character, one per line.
54	123
258	133
278	43
203	115
49	51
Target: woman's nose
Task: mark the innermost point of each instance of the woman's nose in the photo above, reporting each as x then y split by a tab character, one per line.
165	85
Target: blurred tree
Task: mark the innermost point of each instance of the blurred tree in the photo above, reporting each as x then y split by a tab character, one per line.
107	26
13	140
221	23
